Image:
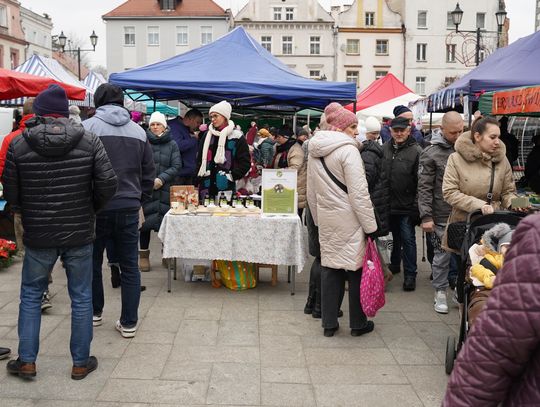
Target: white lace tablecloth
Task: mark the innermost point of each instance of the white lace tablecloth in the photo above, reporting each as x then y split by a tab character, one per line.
272	240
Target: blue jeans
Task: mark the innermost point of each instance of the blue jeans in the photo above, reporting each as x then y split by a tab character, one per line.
122	227
404	237
35	276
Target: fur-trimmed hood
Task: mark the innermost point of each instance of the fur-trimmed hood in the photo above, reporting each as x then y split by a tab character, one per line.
498	235
470	151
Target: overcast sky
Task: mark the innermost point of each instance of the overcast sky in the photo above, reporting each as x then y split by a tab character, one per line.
76	17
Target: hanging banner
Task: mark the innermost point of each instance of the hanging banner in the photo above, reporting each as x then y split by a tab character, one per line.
526	100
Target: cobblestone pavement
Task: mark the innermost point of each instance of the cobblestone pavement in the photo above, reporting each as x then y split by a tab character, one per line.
204	346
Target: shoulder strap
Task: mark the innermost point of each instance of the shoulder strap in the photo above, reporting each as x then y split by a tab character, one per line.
333	177
490	192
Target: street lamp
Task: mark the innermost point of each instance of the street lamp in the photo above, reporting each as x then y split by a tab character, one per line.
62	42
457	16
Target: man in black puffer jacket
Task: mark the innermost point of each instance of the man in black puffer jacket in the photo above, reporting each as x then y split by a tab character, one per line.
58	176
401	158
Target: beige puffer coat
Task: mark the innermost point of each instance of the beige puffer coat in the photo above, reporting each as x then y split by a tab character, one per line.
467	178
343	219
296	161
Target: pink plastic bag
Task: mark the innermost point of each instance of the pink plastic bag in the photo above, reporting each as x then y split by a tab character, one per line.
372	284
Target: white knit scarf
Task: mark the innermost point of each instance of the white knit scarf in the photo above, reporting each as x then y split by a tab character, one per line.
220	153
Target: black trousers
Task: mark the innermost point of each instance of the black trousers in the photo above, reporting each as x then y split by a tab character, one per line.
315	282
332	289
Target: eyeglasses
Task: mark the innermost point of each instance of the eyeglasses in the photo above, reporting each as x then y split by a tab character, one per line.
214	116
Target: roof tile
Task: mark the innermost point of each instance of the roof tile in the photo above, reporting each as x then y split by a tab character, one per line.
150	8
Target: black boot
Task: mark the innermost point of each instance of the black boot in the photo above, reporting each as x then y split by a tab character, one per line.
308	309
115	276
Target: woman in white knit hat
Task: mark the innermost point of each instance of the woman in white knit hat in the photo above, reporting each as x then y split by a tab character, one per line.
168	163
223	154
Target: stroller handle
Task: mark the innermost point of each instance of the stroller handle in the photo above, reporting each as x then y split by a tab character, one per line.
501	212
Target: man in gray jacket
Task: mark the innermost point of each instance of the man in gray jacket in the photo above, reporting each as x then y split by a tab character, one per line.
434	211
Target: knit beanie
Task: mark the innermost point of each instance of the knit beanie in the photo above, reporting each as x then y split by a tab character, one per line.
107	94
338	118
400	110
372	125
158	117
224	108
52	100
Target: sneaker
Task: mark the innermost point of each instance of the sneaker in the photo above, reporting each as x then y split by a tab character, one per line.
46	301
440	303
4	353
455	298
21	369
80	372
409	284
126	332
97	320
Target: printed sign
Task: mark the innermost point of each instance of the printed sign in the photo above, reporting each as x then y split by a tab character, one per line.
526	100
279	193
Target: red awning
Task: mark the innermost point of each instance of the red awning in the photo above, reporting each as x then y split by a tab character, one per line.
383	89
17	84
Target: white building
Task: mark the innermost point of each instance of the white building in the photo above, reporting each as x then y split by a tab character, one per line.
370	42
435	53
37	31
298	32
537	19
141	32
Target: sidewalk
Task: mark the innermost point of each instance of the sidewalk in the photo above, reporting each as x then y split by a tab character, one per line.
204	346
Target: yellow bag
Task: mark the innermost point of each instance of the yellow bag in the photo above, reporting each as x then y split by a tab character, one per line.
237	275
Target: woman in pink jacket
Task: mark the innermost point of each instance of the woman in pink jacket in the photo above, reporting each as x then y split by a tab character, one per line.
339	202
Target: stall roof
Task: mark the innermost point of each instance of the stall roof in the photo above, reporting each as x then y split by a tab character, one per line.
509	67
236	68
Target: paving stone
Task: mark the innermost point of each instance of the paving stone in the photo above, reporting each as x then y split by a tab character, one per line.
15	402
196	332
355	356
241	333
164	338
154	391
372	395
142	361
285	375
411	351
429	382
203	313
359	374
282	351
234	383
287	394
164	320
343	340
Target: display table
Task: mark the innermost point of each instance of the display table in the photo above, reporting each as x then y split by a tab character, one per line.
254	239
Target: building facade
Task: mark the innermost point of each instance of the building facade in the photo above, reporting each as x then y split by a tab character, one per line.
435	55
370	42
300	33
37	32
141	32
12	41
537	19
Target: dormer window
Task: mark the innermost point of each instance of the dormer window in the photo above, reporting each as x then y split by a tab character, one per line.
168	4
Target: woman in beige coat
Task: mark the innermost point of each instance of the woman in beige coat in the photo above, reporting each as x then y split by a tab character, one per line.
468	173
343	218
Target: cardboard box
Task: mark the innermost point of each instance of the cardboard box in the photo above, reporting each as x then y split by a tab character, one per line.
185	195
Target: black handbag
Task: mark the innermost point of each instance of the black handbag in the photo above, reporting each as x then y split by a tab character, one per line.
455	233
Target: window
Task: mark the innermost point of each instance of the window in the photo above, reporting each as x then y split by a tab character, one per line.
421	85
3	16
315	45
315	75
206	34
381	47
451	53
129	35
277	13
449	20
353	47
370	19
421	50
380	74
167	4
182	35
266	42
153	35
289	13
14	58
480	20
352	76
1	56
422	19
286	42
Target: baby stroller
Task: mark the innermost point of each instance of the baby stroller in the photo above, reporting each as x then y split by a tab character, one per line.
475	226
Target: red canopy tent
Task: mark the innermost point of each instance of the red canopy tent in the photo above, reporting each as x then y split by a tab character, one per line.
381	91
17	84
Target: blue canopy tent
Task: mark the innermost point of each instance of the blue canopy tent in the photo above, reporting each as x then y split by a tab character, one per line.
236	68
513	66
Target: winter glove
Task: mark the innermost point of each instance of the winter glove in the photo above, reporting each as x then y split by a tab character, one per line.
158	183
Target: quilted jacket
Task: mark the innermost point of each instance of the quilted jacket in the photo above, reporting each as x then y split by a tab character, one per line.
500	361
343	219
